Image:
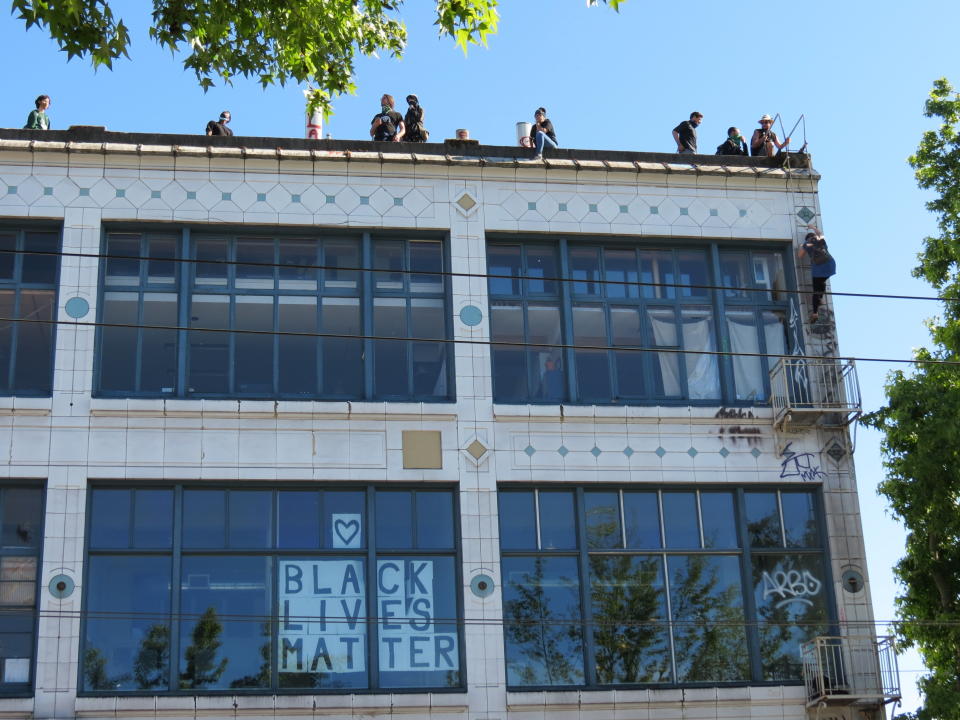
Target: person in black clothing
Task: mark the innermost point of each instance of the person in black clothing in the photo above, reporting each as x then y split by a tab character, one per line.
413	122
219	127
542	133
387	125
685	134
734	144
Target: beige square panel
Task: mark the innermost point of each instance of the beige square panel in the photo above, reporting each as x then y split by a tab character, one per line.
421	450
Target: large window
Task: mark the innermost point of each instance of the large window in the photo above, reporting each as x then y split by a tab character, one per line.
198	589
268	316
28	301
627	298
611	586
21	532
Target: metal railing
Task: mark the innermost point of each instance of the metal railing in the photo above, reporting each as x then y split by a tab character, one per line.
850	670
810	392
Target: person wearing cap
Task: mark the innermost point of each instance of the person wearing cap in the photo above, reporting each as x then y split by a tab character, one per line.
413	121
219	127
822	266
685	134
542	133
764	139
38	119
734	144
387	125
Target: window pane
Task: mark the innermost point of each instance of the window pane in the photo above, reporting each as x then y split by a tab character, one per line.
416	601
558	529
204	519
254	350
18	584
518	521
214	250
22	517
775	334
158	354
541	612
791	599
209	351
603	520
504	260
153	519
340	260
768	273
642	519
7	310
434	520
426	260
429	359
693	274
703	378
626	332
390	356
680	520
631	638
123	264
343	514
258	252
719	520
17	640
124	650
323	634
343	358
297	260
800	519
709	638
161	268
34	362
394	519
656	272
666	365
110	518
541	269
250	512
543	326
298	521
388	256
297	371
40	259
8	246
585	270
118	345
763	519
748	368
509	363
217	652
621	272
733	275
593	366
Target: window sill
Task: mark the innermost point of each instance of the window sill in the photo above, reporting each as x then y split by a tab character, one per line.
599	698
26	405
760	415
252	409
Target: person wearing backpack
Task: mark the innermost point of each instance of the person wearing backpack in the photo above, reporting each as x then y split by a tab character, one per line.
387	125
822	266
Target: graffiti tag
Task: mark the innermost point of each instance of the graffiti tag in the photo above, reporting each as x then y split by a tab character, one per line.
790	586
799	465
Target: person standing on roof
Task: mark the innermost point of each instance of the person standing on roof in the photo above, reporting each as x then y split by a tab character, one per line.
413	122
764	139
685	134
387	125
219	127
37	119
542	133
734	144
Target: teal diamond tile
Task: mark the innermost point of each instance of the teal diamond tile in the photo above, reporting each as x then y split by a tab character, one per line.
226	196
660	452
592	207
261	197
84	192
294	198
654	210
628	451
155	194
562	450
11	189
531	206
398	202
743	213
121	192
624	209
755	453
692	452
713	212
364	199
684	211
49	191
529	450
806	214
724	452
595	451
331	199
562	207
191	195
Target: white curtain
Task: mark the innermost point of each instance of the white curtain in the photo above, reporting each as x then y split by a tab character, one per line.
665	334
747	370
703	380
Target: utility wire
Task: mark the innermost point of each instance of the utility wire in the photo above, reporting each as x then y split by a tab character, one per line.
489	276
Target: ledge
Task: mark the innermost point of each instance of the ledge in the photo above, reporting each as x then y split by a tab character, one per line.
36	407
634	414
268	409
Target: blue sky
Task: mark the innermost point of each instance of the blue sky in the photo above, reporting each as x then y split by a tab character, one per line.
859	73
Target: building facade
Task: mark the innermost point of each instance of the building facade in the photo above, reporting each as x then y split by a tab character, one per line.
341	430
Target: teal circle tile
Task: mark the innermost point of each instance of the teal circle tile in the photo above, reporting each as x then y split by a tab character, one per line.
77	307
471	315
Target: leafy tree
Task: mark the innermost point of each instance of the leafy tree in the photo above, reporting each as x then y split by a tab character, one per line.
274	41
151	668
921	426
202	666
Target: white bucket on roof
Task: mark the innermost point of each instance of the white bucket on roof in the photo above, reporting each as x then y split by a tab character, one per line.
523	134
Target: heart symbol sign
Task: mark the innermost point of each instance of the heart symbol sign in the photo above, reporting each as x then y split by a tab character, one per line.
346	531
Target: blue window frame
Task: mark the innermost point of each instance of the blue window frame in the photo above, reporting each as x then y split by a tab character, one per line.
274	316
665	586
198	589
29	267
21	535
628	296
